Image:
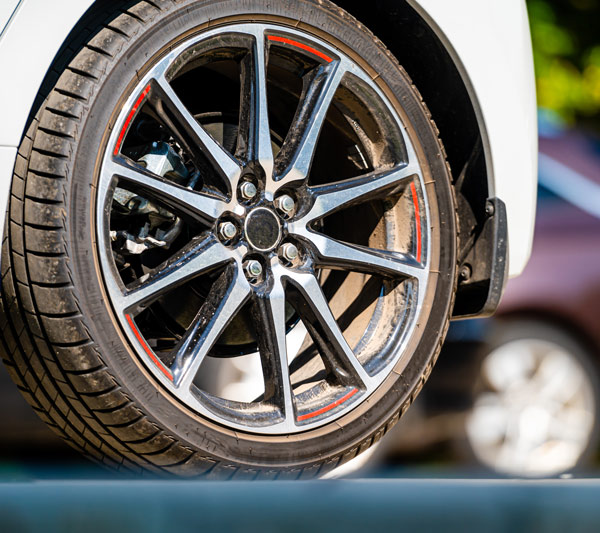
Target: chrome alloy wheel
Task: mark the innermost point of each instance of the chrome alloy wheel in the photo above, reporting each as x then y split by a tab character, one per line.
261	251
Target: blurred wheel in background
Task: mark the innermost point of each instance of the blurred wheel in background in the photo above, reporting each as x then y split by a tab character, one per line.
535	403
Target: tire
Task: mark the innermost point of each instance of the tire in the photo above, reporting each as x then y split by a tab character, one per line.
568	395
74	359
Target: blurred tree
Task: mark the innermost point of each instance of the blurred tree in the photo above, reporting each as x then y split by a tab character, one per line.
566	48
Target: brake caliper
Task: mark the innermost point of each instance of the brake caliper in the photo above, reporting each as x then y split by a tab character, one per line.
157	227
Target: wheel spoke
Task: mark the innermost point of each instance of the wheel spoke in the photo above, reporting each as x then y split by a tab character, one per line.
226	298
557	378
254	138
327	335
294	161
342	194
182	200
337	255
269	313
198	257
183	123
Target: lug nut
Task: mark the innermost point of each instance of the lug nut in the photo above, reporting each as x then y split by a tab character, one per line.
227	230
285	204
289	252
248	190
253	269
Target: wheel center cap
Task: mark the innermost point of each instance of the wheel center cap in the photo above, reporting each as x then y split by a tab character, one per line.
262	229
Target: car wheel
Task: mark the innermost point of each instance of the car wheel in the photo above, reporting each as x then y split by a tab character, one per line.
220	180
536	403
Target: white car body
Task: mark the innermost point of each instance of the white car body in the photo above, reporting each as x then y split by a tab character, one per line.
491	48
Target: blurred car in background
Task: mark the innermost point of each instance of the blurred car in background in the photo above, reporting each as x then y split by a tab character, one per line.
518	394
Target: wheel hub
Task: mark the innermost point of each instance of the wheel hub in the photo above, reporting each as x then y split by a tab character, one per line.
262	229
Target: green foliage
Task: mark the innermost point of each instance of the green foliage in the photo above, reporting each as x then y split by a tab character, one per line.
566	49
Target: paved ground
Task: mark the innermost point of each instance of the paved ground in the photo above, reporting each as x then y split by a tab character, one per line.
332	505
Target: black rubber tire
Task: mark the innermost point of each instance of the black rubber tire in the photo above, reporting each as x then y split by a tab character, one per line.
61	344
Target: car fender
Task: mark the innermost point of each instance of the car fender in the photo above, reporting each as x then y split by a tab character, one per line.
490	44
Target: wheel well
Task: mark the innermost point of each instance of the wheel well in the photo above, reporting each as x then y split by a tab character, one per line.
432	70
426	60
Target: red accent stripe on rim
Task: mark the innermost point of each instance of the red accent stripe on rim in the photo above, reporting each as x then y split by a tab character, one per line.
129	118
328	407
300	45
147	348
417	220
